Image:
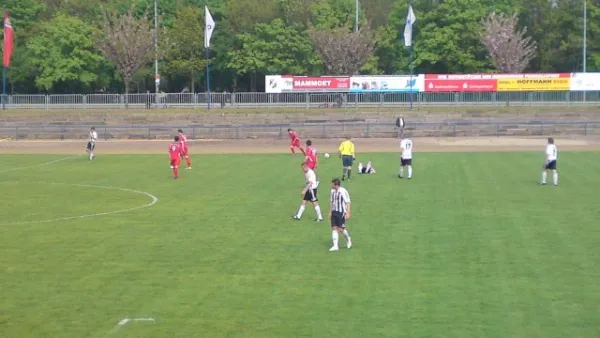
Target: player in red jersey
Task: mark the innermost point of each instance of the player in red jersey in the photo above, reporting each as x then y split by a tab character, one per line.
184	148
175	154
311	155
295	142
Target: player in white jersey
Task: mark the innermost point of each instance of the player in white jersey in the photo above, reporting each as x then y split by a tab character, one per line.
91	145
309	193
406	146
551	159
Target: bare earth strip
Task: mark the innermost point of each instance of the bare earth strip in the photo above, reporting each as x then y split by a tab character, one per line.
256	146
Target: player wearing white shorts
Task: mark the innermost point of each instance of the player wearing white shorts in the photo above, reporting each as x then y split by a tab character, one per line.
309	193
406	146
551	161
91	145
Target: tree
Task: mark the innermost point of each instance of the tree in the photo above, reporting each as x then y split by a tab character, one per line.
343	51
510	50
242	15
63	52
185	40
296	11
273	48
446	35
127	43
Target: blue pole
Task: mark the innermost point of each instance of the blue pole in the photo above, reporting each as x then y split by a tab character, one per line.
3	88
207	79
410	61
3	68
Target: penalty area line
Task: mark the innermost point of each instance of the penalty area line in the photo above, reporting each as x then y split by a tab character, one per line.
126	321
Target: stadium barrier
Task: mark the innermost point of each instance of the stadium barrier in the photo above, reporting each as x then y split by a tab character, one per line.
316	130
301	100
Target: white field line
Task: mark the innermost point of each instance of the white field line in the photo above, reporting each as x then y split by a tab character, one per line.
153	201
153	198
125	321
39	165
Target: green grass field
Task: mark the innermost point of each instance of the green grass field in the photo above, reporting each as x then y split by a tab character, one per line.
471	247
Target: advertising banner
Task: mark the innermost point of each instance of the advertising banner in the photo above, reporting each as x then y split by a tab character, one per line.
321	83
374	84
463	83
585	82
534	84
278	84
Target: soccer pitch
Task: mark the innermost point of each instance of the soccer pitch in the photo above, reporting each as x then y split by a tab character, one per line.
471	247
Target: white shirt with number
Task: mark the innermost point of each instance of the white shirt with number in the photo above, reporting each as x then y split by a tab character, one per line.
311	177
406	145
93	136
551	152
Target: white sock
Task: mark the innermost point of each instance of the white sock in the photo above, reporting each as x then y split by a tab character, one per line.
301	211
401	171
555	176
544	174
318	210
334	237
409	171
346	234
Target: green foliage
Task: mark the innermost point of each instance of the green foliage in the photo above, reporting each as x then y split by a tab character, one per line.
63	52
275	32
185	43
273	48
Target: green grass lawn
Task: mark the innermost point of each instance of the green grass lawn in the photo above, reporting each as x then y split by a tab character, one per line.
471	247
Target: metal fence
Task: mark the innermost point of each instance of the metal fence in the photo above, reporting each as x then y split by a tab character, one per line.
298	100
316	130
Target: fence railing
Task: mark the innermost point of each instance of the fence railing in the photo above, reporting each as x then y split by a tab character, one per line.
316	130
297	100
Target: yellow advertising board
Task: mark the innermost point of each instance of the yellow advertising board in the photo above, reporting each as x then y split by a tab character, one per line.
534	84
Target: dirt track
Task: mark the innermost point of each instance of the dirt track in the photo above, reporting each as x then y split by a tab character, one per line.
480	144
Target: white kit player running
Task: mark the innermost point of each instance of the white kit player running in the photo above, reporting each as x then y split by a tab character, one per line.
406	146
309	193
551	159
91	145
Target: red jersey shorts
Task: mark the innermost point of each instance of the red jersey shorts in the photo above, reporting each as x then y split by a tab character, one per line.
175	162
185	151
295	143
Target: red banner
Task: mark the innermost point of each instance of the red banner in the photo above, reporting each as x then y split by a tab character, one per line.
8	40
320	83
472	85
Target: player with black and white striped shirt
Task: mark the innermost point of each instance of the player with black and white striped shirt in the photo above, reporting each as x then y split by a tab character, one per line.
339	213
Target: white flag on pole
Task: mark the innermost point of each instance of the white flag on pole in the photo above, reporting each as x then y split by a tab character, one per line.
209	26
410	20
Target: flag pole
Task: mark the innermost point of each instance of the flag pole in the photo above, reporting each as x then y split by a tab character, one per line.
207	78
209	26
3	87
3	65
410	62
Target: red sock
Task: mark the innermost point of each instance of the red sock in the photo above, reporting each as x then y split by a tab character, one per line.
175	172
293	150
189	162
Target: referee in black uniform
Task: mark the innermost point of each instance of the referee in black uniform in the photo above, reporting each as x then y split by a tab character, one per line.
339	213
